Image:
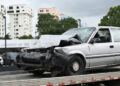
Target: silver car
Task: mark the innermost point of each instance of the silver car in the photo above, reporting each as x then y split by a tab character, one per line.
74	51
99	47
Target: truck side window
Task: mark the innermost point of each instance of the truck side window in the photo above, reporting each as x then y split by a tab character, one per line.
116	34
103	35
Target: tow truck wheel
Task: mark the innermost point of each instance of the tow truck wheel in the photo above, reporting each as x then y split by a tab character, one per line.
37	72
74	66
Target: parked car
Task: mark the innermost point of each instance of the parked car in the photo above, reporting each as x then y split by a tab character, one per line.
1	61
74	51
10	58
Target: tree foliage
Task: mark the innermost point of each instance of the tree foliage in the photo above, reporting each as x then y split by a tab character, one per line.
7	37
112	18
49	24
26	37
1	38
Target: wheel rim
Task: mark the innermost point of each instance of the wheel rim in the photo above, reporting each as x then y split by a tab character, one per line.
76	66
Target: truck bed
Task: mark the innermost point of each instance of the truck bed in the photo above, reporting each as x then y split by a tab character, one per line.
22	80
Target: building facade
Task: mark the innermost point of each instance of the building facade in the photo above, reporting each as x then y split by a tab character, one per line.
52	11
63	16
20	17
2	21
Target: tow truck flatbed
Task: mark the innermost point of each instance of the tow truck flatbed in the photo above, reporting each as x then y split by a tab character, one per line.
61	81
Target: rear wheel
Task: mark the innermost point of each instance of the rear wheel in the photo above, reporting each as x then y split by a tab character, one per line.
75	66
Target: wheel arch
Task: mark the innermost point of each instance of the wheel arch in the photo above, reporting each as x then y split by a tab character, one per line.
81	56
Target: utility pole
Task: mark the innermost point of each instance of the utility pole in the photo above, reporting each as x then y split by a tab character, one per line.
79	23
5	37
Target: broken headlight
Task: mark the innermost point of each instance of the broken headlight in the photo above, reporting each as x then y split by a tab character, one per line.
59	50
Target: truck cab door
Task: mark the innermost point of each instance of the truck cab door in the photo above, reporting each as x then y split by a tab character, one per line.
100	49
116	44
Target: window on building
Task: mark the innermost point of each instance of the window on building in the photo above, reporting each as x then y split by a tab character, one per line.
17	11
17	33
23	10
10	11
2	6
16	29
16	18
41	10
47	10
16	14
17	7
10	7
17	37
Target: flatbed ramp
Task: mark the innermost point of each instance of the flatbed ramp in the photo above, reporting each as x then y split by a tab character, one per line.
66	80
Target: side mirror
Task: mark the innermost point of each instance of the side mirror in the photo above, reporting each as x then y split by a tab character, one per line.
95	40
92	41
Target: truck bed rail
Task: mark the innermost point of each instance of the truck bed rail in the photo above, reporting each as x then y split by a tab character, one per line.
66	80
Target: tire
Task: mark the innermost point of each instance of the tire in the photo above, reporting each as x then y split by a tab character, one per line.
37	72
74	66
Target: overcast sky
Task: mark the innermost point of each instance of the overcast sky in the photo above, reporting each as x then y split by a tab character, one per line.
89	11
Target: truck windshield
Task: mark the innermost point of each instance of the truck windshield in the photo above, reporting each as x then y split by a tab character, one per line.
83	33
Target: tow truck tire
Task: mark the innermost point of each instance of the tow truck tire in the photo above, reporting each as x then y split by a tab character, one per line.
37	72
75	65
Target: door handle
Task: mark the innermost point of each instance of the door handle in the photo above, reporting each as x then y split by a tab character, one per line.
111	46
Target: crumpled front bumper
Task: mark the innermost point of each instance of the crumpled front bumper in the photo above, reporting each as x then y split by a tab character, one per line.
47	62
33	61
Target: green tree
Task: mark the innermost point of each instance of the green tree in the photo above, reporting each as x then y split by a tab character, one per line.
1	38
49	24
8	36
112	18
46	23
26	37
66	24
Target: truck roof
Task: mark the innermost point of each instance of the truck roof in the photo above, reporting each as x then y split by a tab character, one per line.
107	27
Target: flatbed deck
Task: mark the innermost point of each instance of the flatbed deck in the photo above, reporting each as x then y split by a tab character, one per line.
57	81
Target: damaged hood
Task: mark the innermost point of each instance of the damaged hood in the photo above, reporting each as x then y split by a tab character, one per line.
47	41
